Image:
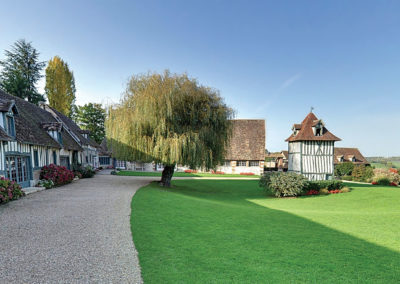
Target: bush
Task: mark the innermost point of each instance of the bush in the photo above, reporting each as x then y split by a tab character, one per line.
114	172
9	190
389	174
349	178
283	184
383	181
345	189
344	169
86	172
328	184
46	183
58	174
362	173
77	174
324	191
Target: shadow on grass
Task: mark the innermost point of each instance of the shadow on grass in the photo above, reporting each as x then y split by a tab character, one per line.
200	232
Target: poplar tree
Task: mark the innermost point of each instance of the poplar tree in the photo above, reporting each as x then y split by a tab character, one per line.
169	119
60	85
21	70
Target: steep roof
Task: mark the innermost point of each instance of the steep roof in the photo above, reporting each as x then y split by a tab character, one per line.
75	129
104	150
348	154
285	154
306	132
31	124
247	141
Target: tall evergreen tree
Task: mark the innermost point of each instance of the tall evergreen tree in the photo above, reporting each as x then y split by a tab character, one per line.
91	117
21	70
60	85
169	119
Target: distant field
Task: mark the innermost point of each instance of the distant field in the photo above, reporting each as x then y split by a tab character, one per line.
383	166
181	174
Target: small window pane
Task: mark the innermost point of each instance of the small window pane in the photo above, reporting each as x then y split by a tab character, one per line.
241	163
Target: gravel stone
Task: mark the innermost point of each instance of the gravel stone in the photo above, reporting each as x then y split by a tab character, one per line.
77	233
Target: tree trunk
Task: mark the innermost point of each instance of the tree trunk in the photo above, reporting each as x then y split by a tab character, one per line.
167	175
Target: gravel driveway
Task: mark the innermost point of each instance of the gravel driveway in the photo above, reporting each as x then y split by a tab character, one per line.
77	233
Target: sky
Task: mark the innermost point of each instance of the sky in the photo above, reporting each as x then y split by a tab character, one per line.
272	60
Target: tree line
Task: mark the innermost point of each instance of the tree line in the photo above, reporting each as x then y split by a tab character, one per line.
22	69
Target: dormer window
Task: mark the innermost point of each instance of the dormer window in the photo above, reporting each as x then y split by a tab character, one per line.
340	158
10	124
318	128
54	130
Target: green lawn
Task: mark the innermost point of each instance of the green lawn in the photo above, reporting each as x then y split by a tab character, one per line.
181	174
203	231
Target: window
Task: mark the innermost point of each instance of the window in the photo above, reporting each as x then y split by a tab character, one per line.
227	163
36	158
241	163
59	138
47	156
55	157
87	159
254	163
104	160
10	125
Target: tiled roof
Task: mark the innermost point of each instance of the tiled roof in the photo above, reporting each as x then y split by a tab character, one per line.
104	150
306	132
348	154
247	141
75	129
29	125
5	104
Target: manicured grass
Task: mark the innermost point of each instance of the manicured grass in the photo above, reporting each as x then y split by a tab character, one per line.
182	174
203	231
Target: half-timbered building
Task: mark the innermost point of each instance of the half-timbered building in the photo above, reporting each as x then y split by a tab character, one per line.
311	149
30	138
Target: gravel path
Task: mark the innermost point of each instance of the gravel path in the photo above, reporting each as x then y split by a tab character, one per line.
78	233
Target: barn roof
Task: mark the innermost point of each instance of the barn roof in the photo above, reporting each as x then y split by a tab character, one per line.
348	154
247	141
306	133
29	124
75	129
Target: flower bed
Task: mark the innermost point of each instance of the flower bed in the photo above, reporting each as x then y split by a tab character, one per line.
247	174
58	174
9	190
191	171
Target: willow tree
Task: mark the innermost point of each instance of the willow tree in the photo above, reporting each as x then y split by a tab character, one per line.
169	119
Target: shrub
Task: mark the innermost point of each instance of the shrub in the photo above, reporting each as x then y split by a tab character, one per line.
389	174
345	189
328	184
86	172
9	190
383	181
113	172
324	191
344	169
393	184
58	174
362	173
312	192
77	174
349	178
46	183
283	184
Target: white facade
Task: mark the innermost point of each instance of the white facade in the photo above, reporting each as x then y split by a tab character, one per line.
313	159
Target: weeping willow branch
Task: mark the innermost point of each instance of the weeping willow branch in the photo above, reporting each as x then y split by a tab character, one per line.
170	119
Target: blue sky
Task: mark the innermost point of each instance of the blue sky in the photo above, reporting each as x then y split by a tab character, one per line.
269	59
